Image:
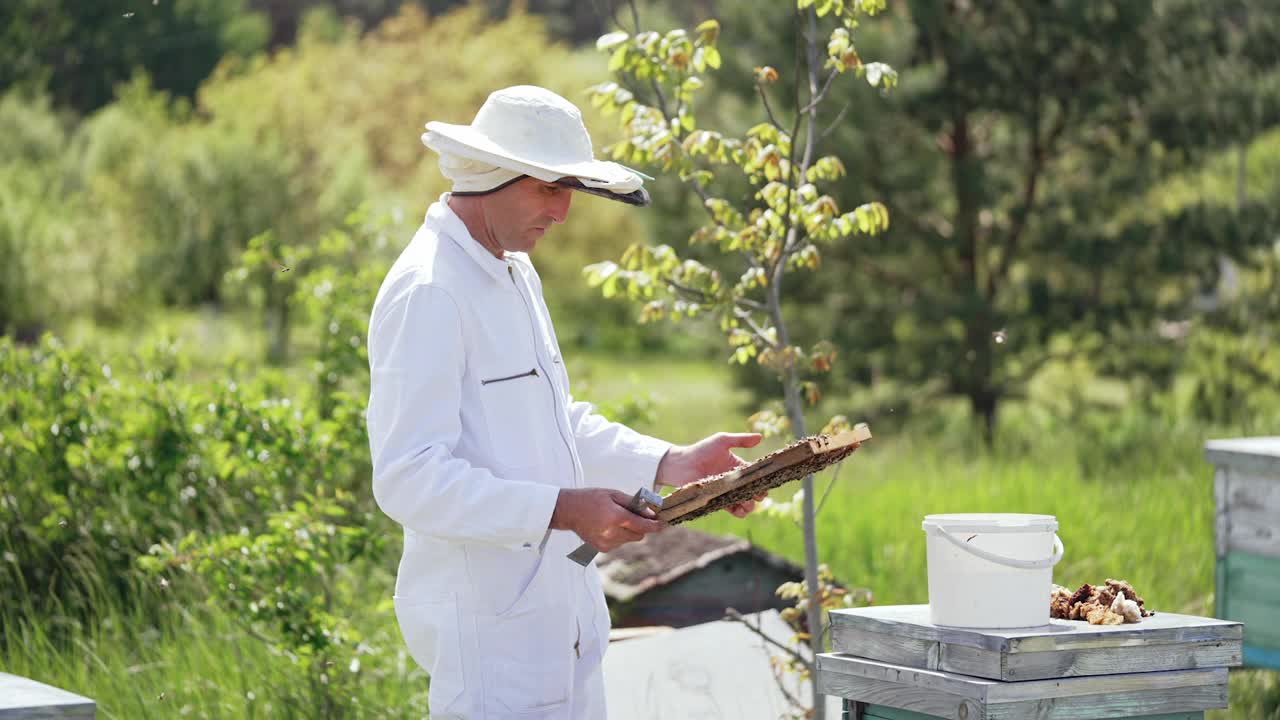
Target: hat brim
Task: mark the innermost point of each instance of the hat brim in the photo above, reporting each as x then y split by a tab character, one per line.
638	198
465	141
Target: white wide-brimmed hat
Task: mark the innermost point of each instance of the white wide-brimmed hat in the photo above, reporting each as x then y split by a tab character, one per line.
528	130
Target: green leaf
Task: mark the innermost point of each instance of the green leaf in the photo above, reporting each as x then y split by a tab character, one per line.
712	57
803	4
619	58
708	31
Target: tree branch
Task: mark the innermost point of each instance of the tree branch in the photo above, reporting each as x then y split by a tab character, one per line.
817	99
755	328
1040	150
734	615
834	123
768	107
834	477
700	295
635	16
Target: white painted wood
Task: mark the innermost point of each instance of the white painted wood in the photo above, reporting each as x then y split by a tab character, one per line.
1254	492
1258	454
25	699
1254	531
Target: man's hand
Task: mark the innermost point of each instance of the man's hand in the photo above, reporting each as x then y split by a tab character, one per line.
600	517
710	456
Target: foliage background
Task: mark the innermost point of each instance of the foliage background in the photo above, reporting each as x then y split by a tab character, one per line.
199	197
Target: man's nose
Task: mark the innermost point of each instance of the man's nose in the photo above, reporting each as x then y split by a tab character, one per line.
559	209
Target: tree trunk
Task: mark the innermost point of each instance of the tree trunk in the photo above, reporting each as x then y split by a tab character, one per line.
277	312
985	404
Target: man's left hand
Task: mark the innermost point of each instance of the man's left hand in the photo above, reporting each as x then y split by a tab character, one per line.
712	455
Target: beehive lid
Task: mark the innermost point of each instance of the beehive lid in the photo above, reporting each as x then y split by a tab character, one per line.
902	634
1260	454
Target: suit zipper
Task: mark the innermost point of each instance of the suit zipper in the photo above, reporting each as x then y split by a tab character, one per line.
533	372
533	327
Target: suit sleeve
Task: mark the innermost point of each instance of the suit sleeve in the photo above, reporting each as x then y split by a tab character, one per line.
613	455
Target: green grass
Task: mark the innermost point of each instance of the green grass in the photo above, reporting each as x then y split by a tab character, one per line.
183	658
1135	504
1134	500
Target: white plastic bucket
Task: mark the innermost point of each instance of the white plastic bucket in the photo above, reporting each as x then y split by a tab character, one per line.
991	570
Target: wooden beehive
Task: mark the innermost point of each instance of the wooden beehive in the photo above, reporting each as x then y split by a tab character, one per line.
891	663
1247	540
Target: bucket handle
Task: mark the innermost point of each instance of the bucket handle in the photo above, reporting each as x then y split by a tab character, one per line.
1002	560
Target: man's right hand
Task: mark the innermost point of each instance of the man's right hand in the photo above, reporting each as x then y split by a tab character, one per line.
600	517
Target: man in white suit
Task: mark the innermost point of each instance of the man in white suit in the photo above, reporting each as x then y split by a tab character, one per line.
480	452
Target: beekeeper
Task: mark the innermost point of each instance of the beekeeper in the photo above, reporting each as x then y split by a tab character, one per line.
480	451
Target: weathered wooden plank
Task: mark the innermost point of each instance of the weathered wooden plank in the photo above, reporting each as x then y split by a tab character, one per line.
926	654
1113	705
1163	628
1157	683
911	622
1260	454
929	701
882	712
934	680
951	695
1136	659
1151	657
25	699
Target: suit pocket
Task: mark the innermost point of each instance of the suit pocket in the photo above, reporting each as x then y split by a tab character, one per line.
528	659
430	630
516	411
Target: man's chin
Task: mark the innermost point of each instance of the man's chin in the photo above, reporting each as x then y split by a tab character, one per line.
531	239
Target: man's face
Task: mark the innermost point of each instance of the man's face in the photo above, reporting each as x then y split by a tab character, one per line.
520	213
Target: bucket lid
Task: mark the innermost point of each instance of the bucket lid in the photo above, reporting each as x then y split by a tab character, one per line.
990	523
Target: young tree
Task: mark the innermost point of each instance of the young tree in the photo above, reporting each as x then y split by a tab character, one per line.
1024	146
767	217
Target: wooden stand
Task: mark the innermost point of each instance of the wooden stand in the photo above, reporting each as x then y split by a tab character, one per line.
892	664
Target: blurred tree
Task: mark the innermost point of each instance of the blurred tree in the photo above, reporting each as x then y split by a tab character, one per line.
1023	133
79	51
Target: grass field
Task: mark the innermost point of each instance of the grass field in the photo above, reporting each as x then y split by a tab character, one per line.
1141	511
